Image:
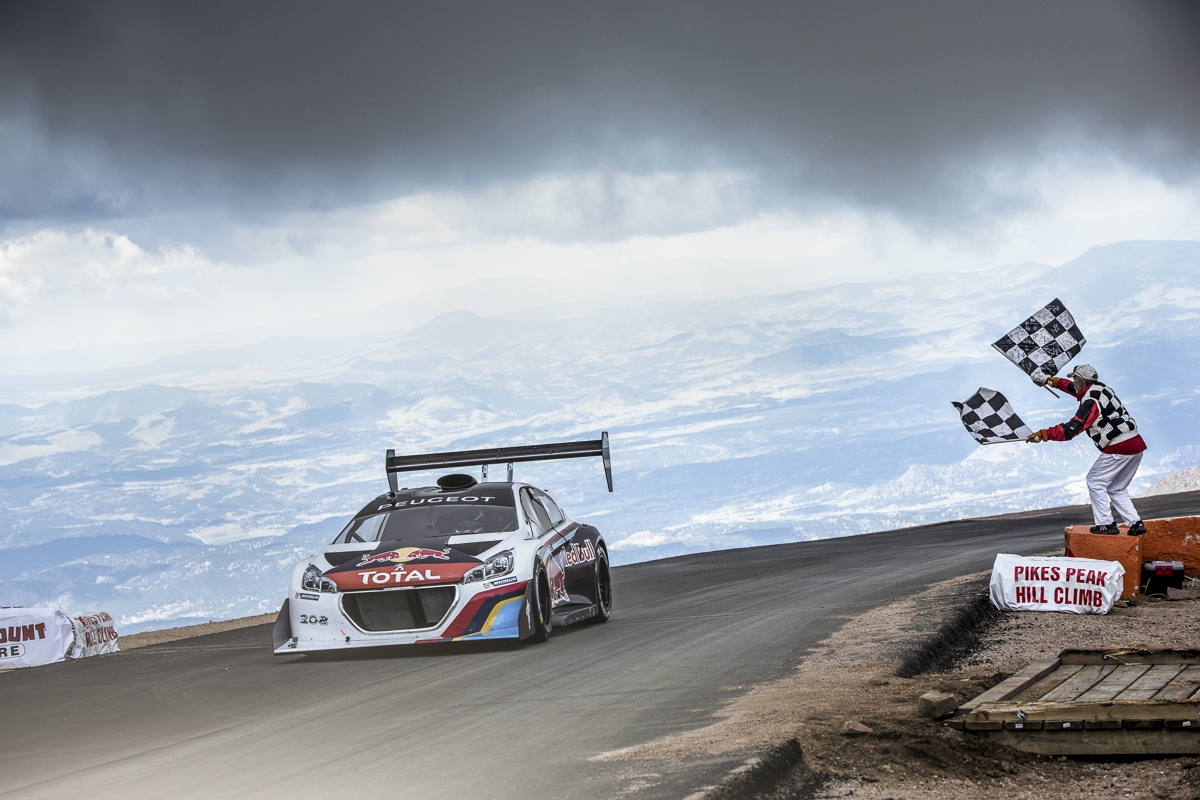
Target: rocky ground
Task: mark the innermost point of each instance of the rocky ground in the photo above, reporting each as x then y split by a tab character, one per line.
852	679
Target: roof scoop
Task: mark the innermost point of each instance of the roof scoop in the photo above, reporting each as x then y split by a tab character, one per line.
455	482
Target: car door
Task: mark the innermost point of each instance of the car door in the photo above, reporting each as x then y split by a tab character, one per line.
575	554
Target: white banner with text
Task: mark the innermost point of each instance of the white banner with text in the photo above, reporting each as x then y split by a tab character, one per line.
33	636
1073	585
95	634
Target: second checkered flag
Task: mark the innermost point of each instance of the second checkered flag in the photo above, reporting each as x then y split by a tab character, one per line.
1045	343
990	419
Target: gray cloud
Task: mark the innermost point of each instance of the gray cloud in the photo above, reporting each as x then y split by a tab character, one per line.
126	109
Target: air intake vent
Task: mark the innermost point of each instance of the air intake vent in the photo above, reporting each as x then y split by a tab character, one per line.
399	609
456	482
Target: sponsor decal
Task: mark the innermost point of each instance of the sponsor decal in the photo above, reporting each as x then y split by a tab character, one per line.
501	582
23	633
404	555
558	580
556	568
574	554
313	619
399	576
433	500
12	650
307	596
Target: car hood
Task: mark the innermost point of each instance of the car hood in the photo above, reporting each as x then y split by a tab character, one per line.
419	561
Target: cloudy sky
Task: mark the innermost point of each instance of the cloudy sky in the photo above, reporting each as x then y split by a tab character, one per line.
204	174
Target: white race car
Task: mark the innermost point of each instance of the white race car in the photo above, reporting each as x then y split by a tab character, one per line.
461	560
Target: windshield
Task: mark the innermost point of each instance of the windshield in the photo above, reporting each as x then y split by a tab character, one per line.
429	520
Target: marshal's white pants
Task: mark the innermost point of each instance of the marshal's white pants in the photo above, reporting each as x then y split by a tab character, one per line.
1109	479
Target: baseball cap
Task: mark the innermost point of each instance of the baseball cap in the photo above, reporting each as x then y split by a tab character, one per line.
1084	371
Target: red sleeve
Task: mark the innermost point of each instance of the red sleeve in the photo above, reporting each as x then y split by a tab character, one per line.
1068	386
1056	434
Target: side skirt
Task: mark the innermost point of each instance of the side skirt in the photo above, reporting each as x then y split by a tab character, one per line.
570	616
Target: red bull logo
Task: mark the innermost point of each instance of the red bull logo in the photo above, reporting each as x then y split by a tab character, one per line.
405	555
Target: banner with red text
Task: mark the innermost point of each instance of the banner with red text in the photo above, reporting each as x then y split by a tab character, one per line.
95	634
1073	585
30	637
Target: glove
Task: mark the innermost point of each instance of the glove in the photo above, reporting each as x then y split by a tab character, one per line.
1046	381
1038	436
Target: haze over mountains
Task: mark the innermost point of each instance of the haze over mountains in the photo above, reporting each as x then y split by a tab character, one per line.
184	490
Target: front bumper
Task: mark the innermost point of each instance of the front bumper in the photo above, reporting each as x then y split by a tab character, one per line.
310	622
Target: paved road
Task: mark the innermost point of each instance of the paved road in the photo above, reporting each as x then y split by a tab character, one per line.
220	716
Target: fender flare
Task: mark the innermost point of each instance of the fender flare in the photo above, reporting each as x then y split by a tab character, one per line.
525	618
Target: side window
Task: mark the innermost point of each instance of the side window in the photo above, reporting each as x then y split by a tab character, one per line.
535	512
552	509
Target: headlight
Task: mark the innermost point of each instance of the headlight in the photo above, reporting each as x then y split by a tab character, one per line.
494	567
315	581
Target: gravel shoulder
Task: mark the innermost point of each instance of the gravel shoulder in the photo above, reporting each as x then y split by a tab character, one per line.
136	640
852	677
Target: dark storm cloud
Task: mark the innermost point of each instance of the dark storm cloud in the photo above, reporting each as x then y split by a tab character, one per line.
131	108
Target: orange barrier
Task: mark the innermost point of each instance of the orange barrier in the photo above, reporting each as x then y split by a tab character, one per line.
1106	547
1174	539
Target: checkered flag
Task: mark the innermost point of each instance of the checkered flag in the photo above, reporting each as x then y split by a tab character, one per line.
1045	343
990	419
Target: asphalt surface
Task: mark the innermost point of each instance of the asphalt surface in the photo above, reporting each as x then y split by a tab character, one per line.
221	716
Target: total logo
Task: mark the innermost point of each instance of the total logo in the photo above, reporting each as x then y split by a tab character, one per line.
399	576
404	555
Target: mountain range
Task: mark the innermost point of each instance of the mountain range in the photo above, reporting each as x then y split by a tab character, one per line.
183	490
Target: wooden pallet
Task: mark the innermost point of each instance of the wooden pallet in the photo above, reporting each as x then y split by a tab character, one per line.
1094	702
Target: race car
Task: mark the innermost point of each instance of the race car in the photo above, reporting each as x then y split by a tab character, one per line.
461	560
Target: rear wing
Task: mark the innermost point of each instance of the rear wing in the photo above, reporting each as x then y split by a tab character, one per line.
500	455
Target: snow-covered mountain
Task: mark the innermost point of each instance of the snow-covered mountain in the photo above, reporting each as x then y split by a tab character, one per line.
185	489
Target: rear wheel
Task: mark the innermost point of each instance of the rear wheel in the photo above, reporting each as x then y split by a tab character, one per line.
540	600
603	587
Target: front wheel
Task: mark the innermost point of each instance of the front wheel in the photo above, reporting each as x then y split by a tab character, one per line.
603	587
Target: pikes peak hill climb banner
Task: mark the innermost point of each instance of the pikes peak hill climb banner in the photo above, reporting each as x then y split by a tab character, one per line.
1073	585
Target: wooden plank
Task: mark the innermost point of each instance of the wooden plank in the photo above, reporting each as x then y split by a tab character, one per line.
1182	686
1150	684
1124	655
1102	724
984	725
1116	682
1063	725
1184	724
1162	742
1050	682
1013	685
1087	677
1023	725
1109	709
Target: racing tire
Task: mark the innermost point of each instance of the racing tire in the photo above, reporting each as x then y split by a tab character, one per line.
543	624
603	587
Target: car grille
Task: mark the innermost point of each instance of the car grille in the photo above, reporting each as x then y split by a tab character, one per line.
399	609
